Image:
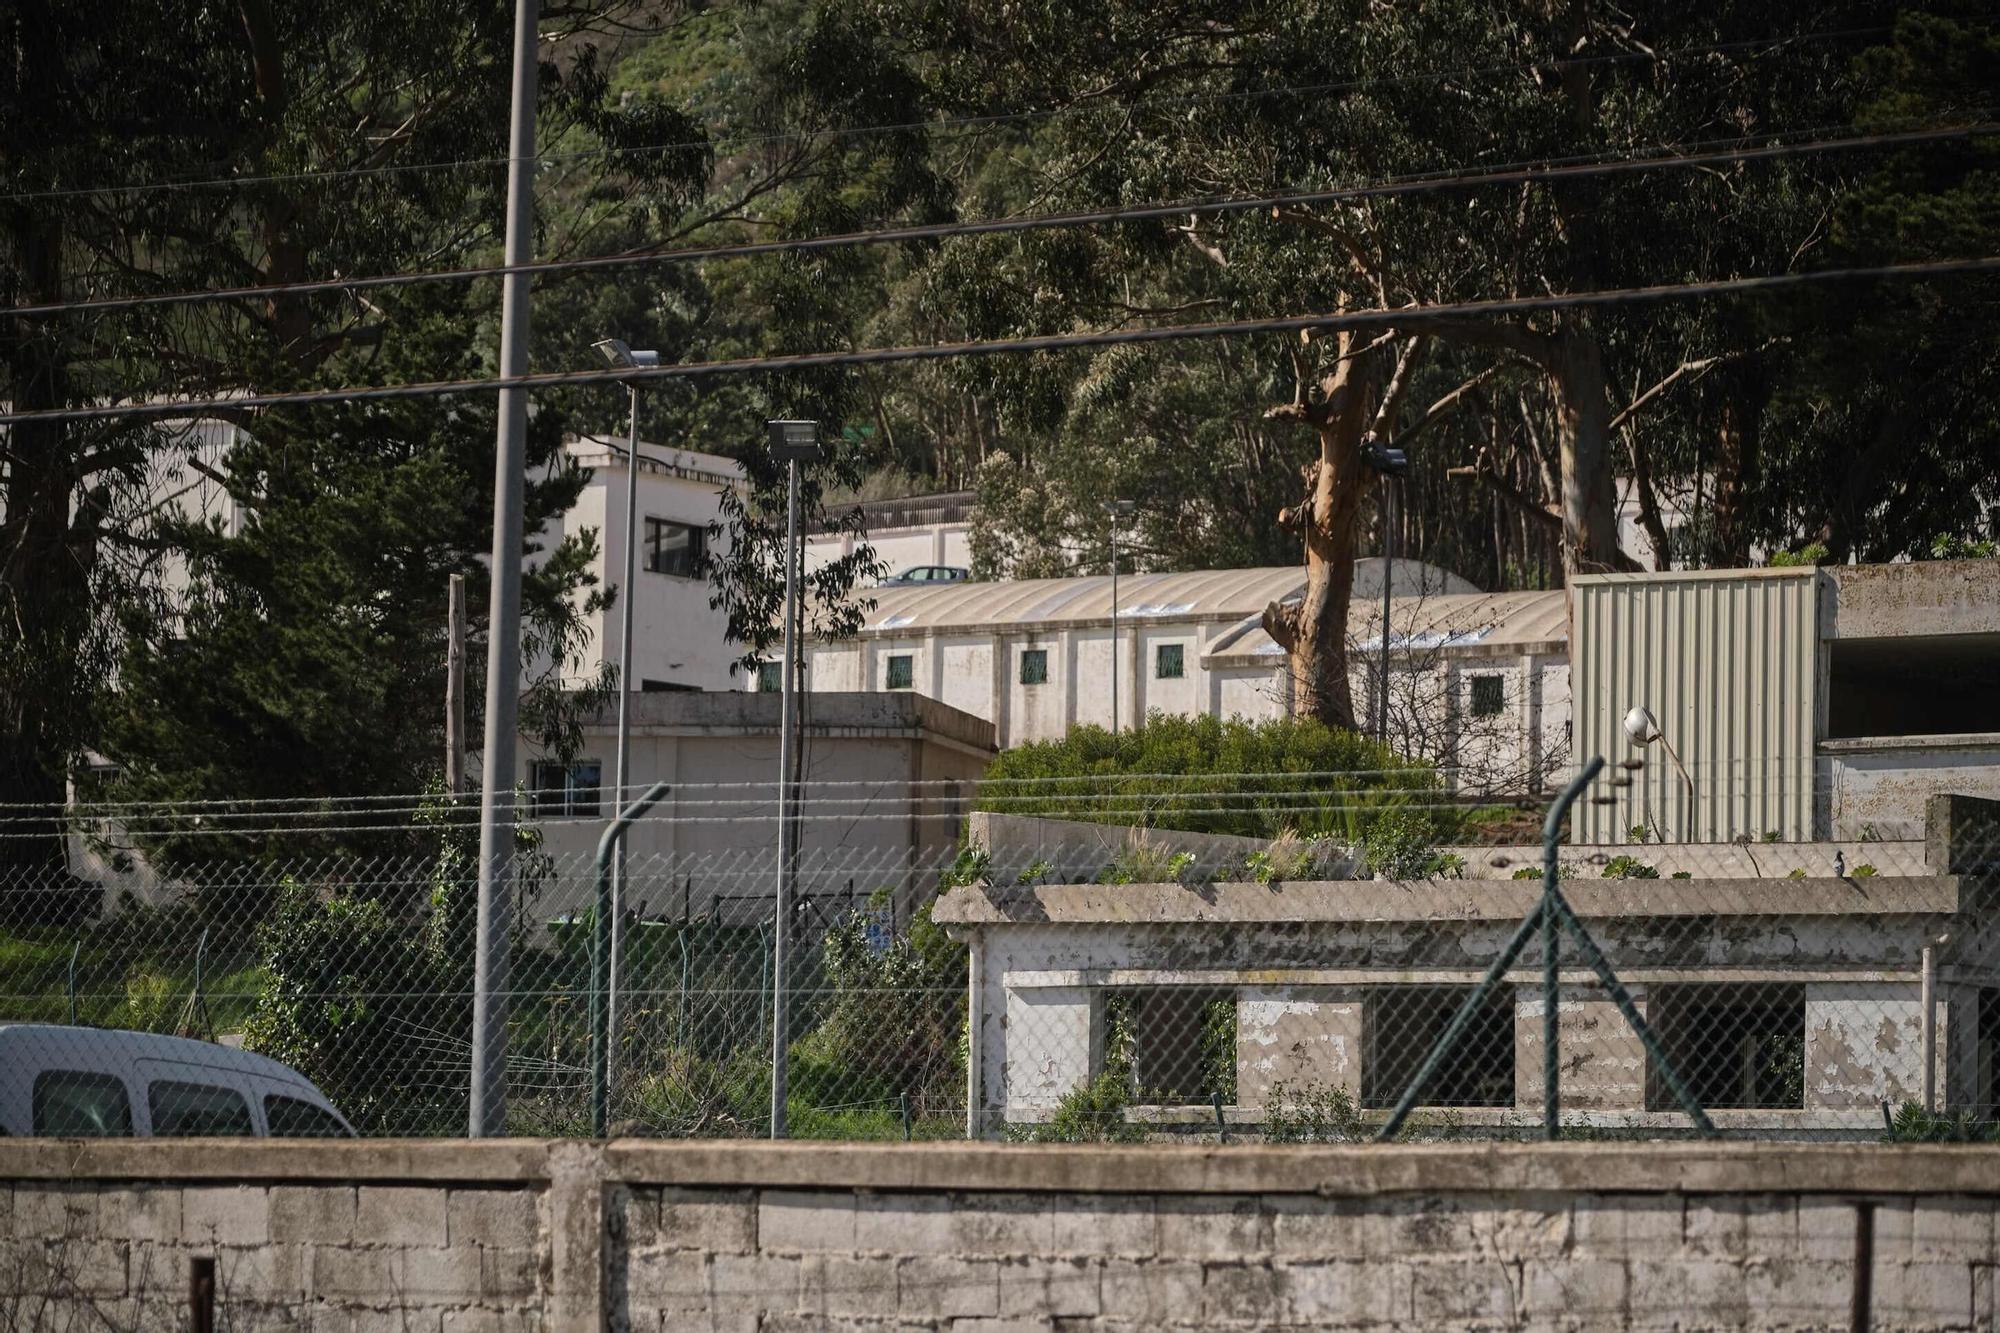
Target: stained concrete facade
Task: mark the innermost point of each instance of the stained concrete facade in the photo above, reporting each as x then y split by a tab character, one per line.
980	1238
1793	1005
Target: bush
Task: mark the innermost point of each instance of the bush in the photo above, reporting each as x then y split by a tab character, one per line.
1314	1113
356	1004
1115	777
1093	1113
1629	867
1402	844
1527	872
896	1015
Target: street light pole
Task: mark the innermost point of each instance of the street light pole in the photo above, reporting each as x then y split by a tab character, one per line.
792	442
1120	510
1389	464
618	354
486	1110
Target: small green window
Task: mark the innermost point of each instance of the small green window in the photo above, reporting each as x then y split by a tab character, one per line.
1488	696
901	672
768	680
1169	663
1034	666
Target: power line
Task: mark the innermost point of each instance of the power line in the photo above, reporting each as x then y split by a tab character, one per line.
1512	174
1412	318
950	123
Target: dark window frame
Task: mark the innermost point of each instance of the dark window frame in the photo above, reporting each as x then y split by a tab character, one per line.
566	791
214	1092
770	678
1735	1045
44	1086
1039	674
1486	693
1400	1024
680	559
1179	651
903	664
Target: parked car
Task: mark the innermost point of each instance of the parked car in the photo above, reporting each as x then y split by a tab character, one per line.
76	1082
928	574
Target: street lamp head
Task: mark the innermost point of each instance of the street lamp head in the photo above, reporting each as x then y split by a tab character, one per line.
618	354
1385	459
795	441
1120	508
1641	726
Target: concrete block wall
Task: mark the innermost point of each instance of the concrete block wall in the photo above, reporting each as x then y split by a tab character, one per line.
978	1238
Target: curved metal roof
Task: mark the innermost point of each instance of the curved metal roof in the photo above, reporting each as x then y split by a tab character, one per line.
1206	594
1489	619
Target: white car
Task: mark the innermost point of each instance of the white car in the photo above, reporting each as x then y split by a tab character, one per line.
76	1082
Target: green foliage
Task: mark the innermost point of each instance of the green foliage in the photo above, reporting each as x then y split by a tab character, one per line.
1639	833
1402	844
355	1003
1313	1113
1092	1113
1080	777
1913	1124
1526	872
1797	872
1864	871
884	1015
1629	867
1813	553
1682	874
1218	1049
972	865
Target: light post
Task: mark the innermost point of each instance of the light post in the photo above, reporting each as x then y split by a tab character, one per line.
1120	510
792	443
1390	464
1642	728
619	355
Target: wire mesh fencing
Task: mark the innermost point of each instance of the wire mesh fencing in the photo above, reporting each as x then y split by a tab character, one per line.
1029	969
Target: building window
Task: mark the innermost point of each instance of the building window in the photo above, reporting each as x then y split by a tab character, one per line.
566	791
1173	1045
1734	1046
900	672
769	678
675	548
1034	666
1400	1024
1169	663
1488	696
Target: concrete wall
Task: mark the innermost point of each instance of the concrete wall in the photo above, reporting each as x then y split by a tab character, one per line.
1878	786
577	1238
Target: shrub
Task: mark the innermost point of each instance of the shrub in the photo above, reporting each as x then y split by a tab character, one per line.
1798	872
1313	1113
1115	777
896	1013
1527	872
1682	874
1629	867
1865	871
1092	1113
1402	844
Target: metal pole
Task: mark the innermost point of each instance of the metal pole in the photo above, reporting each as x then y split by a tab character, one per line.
1388	582
454	687
622	765
1929	1002
1114	625
1551	1000
780	952
600	951
974	1020
487	1113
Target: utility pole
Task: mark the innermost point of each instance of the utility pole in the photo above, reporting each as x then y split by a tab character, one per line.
454	687
1120	510
1389	464
792	442
487	1114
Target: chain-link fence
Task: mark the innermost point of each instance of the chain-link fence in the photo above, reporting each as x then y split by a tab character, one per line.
1066	961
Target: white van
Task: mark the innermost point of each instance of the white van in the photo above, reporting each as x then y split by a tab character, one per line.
75	1082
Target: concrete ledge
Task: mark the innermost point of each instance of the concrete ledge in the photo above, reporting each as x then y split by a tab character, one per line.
1443	900
1334	1171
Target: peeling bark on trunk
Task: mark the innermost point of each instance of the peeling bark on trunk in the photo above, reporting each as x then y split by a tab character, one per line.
1590	500
1313	631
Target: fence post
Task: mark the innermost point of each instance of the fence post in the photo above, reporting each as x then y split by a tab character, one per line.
1551	950
600	954
75	949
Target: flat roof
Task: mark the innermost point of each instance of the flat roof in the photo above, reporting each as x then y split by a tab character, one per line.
1205	594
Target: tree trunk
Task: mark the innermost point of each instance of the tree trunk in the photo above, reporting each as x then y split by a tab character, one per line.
1736	466
44	573
1589	496
1313	631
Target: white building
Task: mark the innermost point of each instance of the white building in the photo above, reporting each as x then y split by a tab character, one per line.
905	534
678	641
1035	657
